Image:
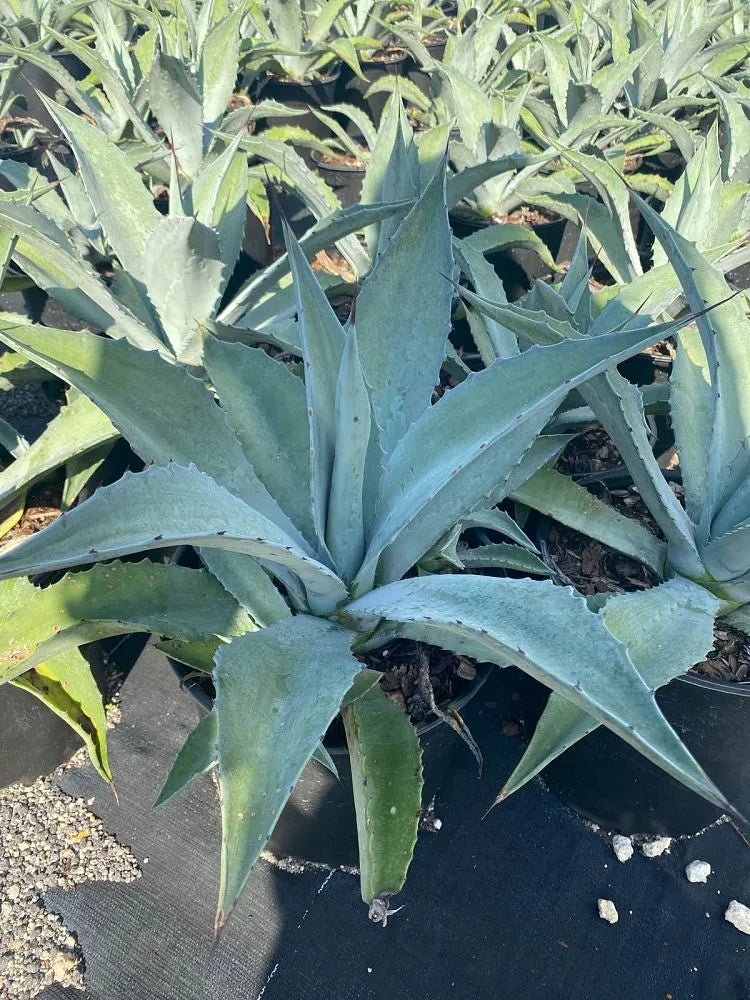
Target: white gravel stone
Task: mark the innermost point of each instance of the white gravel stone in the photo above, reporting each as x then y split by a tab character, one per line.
655	848
47	839
607	910
739	916
623	847
698	871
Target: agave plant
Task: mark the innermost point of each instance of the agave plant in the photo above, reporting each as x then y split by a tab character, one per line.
306	559
297	41
704	543
710	212
668	47
629	83
477	64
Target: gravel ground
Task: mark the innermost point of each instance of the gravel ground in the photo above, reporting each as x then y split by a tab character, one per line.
47	839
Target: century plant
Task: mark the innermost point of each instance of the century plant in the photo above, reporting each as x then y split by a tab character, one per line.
307	560
628	79
474	67
705	546
707	203
671	47
297	41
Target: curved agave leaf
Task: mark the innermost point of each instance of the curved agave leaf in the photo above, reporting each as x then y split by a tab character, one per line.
392	173
267	407
133	387
196	756
174	99
461	185
549	632
502	555
326	231
322	339
345	530
78	471
277	690
249	584
501	339
12	441
559	497
107	600
464	448
691	415
217	72
403	316
680	134
724	332
118	195
386	761
43	252
218	197
694	206
680	633
185	285
66	685
79	427
109	77
619	407
159	508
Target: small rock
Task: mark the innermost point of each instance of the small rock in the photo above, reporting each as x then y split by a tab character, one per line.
61	966
13	891
698	871
739	916
655	848
623	847
608	910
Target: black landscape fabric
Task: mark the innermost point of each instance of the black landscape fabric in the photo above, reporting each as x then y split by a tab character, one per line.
504	906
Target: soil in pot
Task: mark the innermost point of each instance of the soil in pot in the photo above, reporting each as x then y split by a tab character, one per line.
318	823
344	173
352	88
605	779
654	364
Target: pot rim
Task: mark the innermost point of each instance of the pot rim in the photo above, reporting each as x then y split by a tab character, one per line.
331	77
344	168
401	55
480	222
739	688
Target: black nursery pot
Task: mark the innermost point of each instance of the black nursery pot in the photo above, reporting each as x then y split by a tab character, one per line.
607	781
518	267
318	824
301	95
352	88
345	179
419	76
33	741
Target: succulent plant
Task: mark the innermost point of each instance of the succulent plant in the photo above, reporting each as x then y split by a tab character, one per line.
297	41
710	212
703	555
375	476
